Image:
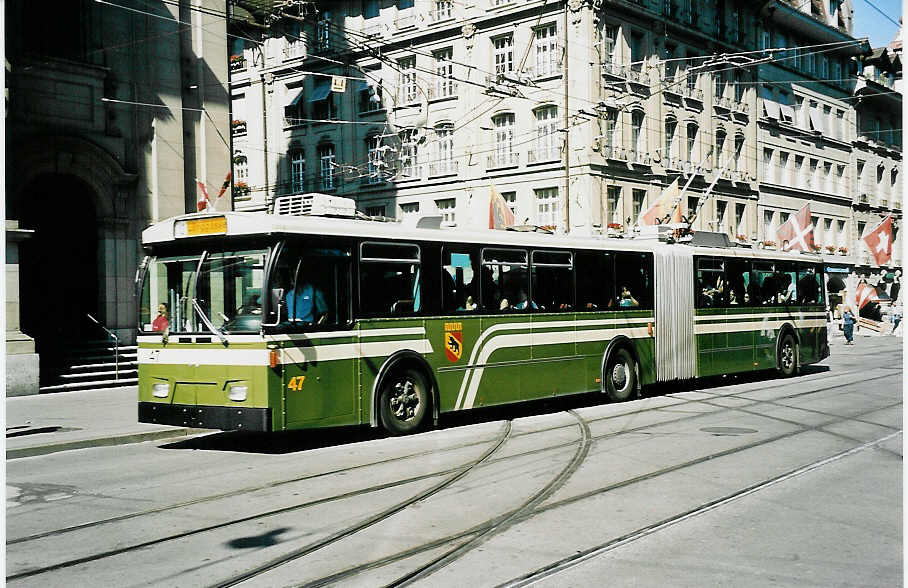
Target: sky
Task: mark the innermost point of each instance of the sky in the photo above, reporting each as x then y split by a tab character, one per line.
870	23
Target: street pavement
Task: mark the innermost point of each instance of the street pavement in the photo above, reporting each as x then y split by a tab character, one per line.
48	423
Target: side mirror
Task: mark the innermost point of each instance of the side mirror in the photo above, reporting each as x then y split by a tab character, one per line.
277	295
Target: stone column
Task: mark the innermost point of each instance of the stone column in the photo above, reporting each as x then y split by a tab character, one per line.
21	359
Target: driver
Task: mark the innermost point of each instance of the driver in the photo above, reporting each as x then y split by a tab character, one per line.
305	303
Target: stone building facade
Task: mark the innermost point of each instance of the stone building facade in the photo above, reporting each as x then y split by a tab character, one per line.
113	112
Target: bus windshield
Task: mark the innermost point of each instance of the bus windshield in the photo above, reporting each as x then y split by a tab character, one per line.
220	291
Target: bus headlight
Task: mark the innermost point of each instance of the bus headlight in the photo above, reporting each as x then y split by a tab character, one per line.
160	390
238	393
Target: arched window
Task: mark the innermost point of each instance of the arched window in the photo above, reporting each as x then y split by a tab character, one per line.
297	171
547	143
376	163
638	135
692	130
720	145
669	150
504	141
444	150
326	165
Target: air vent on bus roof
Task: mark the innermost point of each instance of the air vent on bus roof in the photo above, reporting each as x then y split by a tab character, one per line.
314	204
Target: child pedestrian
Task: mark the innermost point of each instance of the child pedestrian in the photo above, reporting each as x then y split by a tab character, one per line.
848	321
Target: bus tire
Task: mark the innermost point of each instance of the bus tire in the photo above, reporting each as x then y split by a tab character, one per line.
788	356
620	375
404	401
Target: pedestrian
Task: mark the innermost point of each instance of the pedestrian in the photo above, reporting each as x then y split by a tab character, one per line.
848	322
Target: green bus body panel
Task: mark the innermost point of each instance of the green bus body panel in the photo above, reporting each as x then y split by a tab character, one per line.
326	380
744	350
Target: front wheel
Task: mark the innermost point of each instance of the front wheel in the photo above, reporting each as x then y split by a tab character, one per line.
788	356
620	376
404	402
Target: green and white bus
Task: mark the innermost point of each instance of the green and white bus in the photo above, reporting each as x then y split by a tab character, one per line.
320	318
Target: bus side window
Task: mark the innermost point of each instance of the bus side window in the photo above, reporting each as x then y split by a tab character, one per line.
762	288
737	276
504	280
552	281
389	279
595	280
633	272
711	288
810	290
460	281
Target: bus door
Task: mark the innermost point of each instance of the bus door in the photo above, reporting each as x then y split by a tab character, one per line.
711	299
739	316
556	368
319	348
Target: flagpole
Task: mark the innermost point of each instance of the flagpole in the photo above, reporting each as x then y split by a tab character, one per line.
690	180
709	189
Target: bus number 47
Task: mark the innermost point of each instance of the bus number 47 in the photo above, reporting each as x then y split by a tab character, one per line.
296	382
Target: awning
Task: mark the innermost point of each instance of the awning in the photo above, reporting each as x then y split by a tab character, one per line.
787	112
321	90
293	96
771	108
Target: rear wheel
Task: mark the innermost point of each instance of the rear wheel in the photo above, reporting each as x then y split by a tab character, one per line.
788	356
620	376
404	401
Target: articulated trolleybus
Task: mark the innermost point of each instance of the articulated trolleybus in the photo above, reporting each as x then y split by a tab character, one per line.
314	316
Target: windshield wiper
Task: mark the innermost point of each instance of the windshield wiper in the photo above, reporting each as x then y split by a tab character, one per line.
208	323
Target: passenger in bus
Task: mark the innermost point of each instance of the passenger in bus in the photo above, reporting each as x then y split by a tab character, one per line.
788	296
306	303
626	299
161	323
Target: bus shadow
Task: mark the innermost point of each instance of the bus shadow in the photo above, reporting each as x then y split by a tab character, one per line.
284	442
277	443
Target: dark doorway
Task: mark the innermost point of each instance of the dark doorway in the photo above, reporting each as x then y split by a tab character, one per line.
59	265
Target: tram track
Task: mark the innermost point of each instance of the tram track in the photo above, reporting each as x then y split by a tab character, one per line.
453	474
484	528
297	479
579	558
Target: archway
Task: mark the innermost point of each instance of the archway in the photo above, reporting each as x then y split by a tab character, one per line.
59	265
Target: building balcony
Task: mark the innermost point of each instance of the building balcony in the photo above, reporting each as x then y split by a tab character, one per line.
295	50
447	167
409	173
405	20
373	179
503	160
372	27
542	154
544	70
441	15
637	156
440	91
625	72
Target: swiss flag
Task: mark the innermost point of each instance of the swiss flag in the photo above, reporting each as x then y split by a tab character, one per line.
796	234
879	241
865	294
204	201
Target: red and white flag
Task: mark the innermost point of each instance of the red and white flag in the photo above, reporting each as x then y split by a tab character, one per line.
500	215
796	234
879	241
656	213
204	202
865	294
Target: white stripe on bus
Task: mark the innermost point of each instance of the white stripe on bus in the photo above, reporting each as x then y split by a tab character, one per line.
339	334
546	338
491	331
352	350
802	315
755	326
204	356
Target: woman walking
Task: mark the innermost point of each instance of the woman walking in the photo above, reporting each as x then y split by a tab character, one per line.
848	324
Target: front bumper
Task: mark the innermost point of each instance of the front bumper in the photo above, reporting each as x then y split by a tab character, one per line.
225	418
